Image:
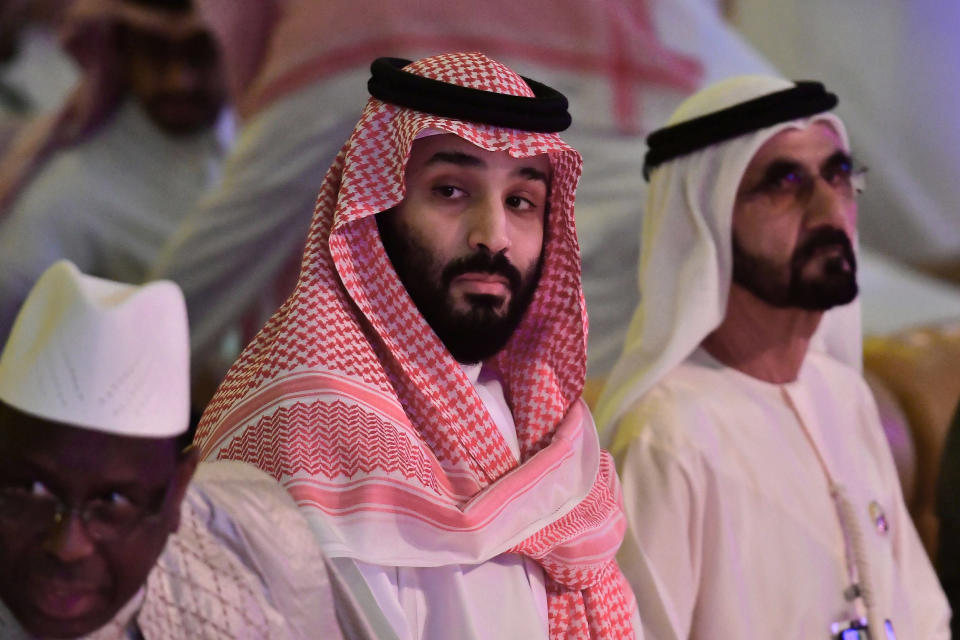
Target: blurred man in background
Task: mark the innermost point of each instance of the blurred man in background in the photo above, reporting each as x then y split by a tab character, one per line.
35	73
106	179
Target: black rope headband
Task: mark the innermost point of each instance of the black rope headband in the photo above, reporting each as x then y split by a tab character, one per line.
164	5
804	99
545	113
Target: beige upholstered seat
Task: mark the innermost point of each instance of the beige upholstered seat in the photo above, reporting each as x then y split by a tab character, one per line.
921	369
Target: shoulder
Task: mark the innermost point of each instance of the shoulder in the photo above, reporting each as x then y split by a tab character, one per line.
61	175
841	394
840	381
238	500
687	402
832	370
243	560
59	190
236	482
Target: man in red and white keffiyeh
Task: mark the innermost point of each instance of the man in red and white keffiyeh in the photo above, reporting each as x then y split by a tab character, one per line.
431	428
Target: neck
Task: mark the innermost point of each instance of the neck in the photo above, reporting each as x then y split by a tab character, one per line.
765	342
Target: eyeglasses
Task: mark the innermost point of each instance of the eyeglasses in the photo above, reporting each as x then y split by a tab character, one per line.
106	518
785	181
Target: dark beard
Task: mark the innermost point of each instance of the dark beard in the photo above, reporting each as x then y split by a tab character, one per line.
834	286
474	335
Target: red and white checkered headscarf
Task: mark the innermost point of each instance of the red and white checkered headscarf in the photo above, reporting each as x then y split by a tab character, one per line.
353	403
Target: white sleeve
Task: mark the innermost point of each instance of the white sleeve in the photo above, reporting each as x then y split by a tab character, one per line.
661	553
237	254
46	223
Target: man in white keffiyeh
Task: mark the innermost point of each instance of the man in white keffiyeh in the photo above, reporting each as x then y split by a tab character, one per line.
762	498
419	392
103	535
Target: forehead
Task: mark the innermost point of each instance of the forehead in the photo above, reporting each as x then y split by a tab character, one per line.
425	149
81	455
809	145
175	26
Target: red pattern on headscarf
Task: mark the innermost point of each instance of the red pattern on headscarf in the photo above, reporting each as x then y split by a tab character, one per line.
347	394
274	47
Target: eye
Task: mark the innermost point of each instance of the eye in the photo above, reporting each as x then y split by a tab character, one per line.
792	178
24	494
781	178
27	489
40	490
520	203
118	498
26	501
839	172
112	507
115	500
783	181
448	191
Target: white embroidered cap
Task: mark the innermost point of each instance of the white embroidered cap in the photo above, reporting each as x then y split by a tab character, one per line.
100	355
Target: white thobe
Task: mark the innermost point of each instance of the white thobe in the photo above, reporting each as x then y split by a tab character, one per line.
243	565
502	599
730	510
229	252
108	205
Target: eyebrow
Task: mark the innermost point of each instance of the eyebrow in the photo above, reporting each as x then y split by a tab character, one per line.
32	465
455	157
839	156
533	174
462	159
35	469
779	166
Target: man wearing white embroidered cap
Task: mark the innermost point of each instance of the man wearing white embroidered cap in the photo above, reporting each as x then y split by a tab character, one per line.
95	476
761	495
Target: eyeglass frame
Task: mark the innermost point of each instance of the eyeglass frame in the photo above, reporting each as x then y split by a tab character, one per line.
61	509
800	190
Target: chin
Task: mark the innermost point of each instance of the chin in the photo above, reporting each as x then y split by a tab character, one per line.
45	627
183	122
497	306
49	610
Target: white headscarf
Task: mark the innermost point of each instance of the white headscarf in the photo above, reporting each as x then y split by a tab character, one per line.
686	254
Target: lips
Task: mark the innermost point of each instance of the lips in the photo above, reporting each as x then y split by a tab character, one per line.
833	258
64	599
829	251
483	283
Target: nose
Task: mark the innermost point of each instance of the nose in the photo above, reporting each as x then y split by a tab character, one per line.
489	226
69	540
827	206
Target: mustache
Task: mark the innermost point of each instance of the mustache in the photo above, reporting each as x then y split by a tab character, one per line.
198	96
483	262
821	238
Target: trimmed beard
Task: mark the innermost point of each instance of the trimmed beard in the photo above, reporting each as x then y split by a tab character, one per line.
474	335
834	285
